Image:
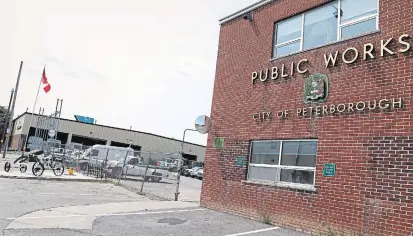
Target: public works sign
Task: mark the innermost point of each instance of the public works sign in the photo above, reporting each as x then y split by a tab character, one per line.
316	86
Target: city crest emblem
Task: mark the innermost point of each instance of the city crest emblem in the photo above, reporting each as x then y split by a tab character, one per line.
316	88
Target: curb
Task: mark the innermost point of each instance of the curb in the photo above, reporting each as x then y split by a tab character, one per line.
56	179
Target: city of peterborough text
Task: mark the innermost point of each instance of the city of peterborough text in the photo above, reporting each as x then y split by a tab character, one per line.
325	110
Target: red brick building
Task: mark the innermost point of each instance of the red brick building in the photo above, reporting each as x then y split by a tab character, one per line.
313	116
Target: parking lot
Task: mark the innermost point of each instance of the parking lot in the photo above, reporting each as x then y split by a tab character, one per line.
34	207
189	189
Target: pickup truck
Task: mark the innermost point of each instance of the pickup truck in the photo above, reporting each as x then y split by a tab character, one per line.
135	167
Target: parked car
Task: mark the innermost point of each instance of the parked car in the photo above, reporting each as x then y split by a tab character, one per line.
100	154
134	167
194	172
185	168
200	174
187	172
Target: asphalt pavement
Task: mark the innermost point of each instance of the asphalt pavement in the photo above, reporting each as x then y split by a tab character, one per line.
168	222
20	196
54	207
39	207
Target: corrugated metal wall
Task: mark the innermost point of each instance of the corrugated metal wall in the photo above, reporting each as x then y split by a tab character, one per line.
146	141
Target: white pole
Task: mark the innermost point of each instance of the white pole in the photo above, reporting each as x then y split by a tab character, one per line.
31	117
180	161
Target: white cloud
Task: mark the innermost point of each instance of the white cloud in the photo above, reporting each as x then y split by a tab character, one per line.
145	64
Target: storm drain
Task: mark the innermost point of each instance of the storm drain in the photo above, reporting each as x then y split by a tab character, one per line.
172	221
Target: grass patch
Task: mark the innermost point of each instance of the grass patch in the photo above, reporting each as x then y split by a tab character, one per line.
267	220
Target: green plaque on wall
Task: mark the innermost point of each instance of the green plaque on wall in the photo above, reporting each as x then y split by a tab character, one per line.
239	161
329	170
218	142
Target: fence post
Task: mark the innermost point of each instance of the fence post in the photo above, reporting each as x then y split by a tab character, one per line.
146	171
126	173
124	163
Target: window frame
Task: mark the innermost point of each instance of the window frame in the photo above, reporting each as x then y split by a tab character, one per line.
92	152
133	159
299	39
279	167
340	26
356	21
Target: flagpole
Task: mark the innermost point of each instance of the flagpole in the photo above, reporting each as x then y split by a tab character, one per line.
31	117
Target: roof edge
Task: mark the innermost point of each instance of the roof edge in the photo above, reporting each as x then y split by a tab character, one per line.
106	126
243	11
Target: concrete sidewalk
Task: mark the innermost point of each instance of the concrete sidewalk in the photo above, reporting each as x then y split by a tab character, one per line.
47	175
82	217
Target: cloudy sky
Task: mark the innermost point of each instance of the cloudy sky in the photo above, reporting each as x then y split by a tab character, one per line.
145	64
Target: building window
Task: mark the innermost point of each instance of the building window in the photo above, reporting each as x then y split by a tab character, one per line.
283	161
133	161
320	26
358	17
288	36
338	20
95	152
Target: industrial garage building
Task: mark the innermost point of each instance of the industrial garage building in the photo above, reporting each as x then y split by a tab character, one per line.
71	131
313	116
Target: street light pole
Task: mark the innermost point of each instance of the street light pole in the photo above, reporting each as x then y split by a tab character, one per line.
6	124
180	159
11	114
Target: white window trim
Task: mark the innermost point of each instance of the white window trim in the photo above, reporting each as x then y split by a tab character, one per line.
339	29
288	42
298	39
306	187
339	20
302	31
359	20
279	166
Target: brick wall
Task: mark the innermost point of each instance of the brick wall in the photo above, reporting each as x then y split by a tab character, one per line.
371	193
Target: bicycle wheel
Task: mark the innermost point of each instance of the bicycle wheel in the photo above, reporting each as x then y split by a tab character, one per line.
37	169
58	168
7	166
23	168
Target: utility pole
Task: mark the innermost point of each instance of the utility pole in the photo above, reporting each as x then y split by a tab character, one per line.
202	125
56	128
7	119
11	114
180	160
58	120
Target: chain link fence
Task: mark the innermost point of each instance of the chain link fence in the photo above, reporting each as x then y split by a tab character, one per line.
153	174
146	172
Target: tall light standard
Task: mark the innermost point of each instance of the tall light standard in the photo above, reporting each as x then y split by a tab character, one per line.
11	114
6	123
202	124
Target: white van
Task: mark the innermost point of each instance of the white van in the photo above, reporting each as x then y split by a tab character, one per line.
99	154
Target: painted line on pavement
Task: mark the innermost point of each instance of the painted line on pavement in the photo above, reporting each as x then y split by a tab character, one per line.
118	214
254	231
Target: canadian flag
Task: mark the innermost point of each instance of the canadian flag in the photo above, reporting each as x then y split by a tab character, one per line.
46	84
